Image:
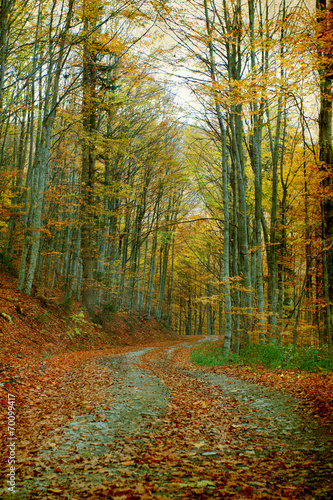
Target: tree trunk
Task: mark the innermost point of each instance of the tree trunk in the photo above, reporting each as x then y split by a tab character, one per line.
255	155
225	187
88	162
325	20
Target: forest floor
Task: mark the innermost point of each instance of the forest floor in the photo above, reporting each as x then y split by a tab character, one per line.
121	413
140	424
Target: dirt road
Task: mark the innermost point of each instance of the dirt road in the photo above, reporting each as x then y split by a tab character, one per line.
166	431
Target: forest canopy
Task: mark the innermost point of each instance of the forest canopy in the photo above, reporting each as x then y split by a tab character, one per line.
172	159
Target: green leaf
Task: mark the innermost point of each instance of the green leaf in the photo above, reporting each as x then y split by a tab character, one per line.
204	483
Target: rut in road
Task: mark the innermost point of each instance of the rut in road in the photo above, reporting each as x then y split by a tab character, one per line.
166	432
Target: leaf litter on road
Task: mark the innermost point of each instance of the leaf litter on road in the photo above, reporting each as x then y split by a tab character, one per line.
85	435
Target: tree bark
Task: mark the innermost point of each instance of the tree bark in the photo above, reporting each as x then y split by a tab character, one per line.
89	111
325	21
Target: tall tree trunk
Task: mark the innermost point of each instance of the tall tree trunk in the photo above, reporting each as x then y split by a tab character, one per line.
6	7
88	159
325	20
255	155
225	187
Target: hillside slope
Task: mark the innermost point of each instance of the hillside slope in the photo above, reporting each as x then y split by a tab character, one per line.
32	328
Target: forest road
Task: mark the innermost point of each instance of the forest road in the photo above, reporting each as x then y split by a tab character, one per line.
169	432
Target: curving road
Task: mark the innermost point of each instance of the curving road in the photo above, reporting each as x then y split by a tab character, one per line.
169	432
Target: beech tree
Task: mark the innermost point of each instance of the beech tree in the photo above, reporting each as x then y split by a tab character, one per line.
325	69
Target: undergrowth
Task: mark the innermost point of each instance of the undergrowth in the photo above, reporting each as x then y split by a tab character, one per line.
6	263
272	356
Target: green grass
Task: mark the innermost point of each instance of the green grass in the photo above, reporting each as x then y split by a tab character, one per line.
208	354
272	356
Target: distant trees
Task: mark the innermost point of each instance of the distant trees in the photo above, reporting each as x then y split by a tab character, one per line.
251	68
91	156
54	53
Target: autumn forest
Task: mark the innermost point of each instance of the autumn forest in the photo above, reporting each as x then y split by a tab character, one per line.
173	159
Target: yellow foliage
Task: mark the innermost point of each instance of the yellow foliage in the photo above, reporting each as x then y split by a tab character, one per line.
109	44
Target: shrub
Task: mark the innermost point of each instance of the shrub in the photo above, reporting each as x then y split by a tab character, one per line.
108	311
272	356
68	304
78	318
6	262
109	308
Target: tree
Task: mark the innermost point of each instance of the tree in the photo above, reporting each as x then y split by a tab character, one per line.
325	68
55	62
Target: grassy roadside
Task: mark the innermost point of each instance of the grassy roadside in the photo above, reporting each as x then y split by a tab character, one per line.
273	356
305	374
